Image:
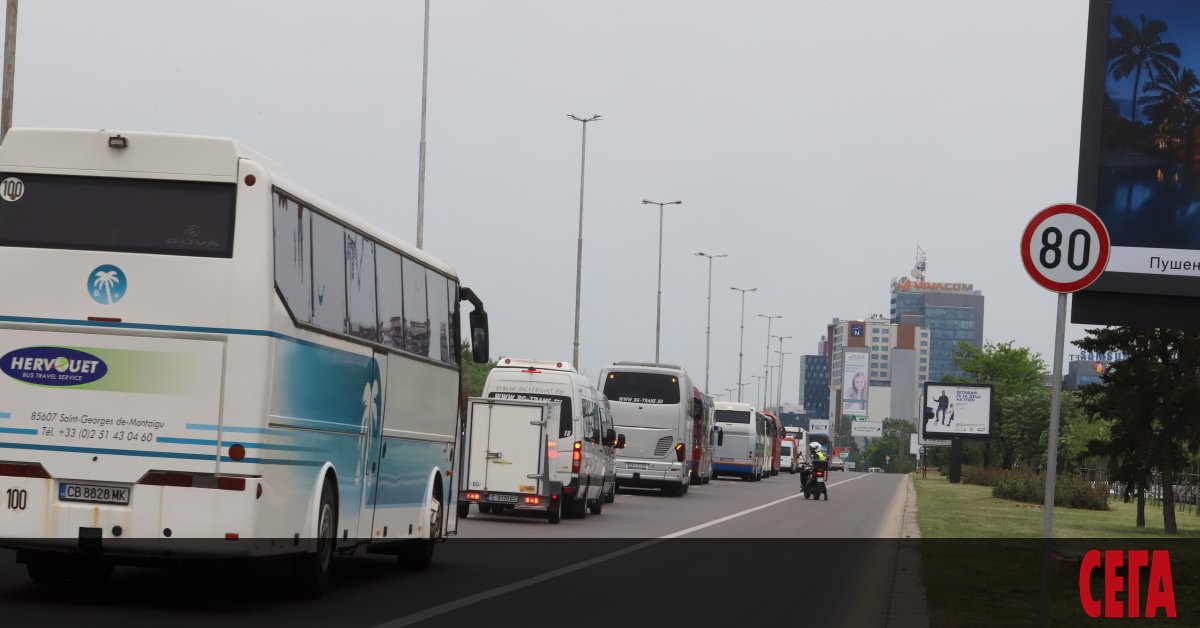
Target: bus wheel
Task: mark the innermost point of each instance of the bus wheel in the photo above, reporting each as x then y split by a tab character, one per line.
707	479
695	479
418	556
311	572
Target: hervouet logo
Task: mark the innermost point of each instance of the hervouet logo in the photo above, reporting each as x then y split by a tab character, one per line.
53	366
106	284
1122	571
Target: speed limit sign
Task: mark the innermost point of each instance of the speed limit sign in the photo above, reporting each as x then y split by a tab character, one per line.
1065	248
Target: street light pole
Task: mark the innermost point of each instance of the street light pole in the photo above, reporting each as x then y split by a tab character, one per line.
766	367
10	67
579	250
708	323
741	335
421	163
758	390
780	339
779	384
658	310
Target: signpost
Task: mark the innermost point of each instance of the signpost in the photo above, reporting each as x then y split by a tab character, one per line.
1064	248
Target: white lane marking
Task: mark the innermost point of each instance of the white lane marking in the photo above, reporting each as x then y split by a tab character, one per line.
735	515
442	609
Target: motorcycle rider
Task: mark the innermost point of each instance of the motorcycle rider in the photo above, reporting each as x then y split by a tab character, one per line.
817	454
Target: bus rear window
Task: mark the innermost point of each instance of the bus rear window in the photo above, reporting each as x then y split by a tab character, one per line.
124	215
733	416
646	388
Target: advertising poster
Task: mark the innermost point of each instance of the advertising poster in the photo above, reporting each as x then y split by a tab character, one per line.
962	410
855	384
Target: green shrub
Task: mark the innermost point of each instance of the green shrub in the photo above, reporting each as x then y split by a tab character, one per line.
983	476
1068	492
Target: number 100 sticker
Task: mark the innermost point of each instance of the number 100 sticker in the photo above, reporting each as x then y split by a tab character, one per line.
1065	248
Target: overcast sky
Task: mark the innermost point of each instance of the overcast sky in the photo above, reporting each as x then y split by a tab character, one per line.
816	142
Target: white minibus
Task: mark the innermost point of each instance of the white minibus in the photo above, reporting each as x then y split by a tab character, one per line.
580	436
200	358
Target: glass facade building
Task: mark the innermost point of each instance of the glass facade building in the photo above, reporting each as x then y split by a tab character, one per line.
949	315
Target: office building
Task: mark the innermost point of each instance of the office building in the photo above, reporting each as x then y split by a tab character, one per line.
952	312
892	358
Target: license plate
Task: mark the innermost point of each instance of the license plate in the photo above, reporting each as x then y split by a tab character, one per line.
637	465
512	499
821	479
70	491
726	459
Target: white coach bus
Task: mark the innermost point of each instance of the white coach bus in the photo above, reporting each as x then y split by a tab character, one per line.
652	406
202	359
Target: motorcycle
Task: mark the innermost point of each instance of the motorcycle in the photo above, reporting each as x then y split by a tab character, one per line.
813	479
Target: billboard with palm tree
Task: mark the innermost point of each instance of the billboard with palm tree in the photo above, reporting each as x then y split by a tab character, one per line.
1140	157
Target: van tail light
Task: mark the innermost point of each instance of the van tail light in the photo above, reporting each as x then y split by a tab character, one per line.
533	501
473	497
23	470
576	456
679	452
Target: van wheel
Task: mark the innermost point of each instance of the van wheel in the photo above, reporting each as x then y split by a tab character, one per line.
611	496
554	512
597	506
695	479
707	479
683	488
579	508
310	573
419	555
464	509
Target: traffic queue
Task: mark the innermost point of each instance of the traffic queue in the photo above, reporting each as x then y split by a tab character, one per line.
543	438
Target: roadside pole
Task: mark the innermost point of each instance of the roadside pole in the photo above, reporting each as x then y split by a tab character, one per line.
10	67
1064	249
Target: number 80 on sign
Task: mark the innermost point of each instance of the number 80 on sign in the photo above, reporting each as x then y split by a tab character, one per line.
1065	248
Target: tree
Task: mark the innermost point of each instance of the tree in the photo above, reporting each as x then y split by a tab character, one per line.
1152	398
1137	48
473	374
1016	375
894	442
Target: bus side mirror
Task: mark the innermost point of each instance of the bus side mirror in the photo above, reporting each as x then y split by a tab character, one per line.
479	326
620	441
610	437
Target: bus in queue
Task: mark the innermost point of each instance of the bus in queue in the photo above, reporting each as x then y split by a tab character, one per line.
208	361
704	437
651	405
775	439
740	451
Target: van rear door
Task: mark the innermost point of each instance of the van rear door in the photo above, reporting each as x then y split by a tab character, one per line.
507	442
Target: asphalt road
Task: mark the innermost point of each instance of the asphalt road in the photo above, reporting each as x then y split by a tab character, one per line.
647	559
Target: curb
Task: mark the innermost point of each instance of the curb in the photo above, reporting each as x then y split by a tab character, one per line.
909	607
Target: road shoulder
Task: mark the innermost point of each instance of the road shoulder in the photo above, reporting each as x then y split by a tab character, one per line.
909	607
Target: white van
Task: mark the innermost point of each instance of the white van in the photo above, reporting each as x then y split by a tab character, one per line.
740	450
652	407
579	439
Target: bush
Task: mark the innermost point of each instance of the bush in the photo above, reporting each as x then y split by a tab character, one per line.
1068	492
983	476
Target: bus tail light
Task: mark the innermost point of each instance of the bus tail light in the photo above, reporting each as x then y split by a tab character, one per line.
679	452
197	480
23	470
576	456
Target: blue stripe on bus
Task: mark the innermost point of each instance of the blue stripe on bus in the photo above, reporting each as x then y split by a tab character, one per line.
153	454
233	429
18	430
170	440
5	415
156	327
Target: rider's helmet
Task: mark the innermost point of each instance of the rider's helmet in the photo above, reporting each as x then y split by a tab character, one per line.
815	446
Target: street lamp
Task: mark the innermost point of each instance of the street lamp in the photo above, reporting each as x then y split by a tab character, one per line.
780	339
579	251
741	334
779	386
421	163
767	371
758	390
729	391
708	324
658	312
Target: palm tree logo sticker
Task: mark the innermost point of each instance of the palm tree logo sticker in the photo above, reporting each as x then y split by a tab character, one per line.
107	284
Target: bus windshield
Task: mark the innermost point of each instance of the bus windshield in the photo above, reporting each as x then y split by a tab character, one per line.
123	215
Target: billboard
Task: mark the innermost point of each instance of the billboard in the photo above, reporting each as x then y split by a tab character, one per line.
957	411
1139	151
818	426
870	429
855	385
